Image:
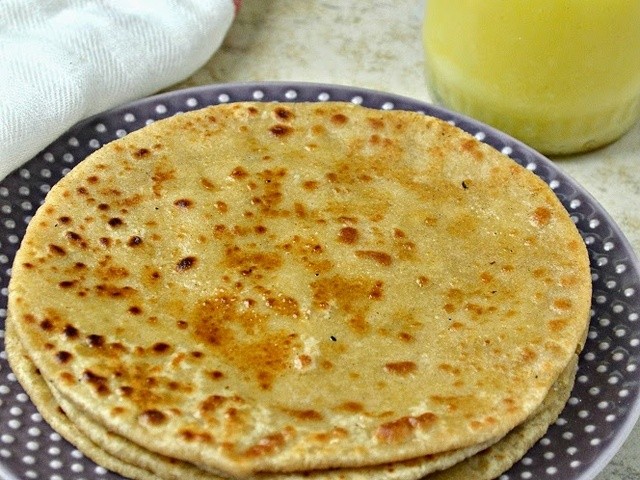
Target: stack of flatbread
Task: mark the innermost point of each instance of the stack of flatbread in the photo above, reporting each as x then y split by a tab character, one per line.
301	290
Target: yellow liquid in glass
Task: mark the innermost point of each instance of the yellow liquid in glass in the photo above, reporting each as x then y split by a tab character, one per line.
560	75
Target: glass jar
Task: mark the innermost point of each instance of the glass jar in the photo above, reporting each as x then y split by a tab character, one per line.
561	75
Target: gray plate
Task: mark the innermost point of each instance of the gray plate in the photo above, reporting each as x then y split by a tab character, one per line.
605	402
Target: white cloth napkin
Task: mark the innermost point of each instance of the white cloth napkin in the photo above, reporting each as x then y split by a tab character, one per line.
64	60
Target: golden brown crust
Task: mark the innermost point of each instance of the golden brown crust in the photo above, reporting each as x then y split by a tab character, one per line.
232	278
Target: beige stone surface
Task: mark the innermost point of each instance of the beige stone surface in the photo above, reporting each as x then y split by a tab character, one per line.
377	44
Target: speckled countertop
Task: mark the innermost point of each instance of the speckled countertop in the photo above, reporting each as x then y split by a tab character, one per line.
377	44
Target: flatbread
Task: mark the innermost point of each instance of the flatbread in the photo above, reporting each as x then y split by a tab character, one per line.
491	462
482	462
132	461
31	380
263	287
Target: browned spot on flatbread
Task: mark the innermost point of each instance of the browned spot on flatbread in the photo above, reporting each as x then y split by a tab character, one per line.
160	177
377	292
141	153
472	146
207	184
335	433
305	415
310	185
134	241
63	356
221	206
375	122
267	445
382	258
241	336
446	367
215	375
487	421
250	261
116	411
556	325
115	222
153	417
402	429
351	407
562	303
401	368
358	324
95	341
281	130
305	361
57	249
70	332
66	378
183	203
529	355
161	348
283	113
239	173
350	295
193	435
215	407
186	263
283	305
46	325
541	216
98	382
73	236
348	235
339	119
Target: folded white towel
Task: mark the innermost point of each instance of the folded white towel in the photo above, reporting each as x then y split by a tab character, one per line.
64	60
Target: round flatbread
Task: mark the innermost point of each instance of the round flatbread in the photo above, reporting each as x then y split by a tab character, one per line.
284	287
481	462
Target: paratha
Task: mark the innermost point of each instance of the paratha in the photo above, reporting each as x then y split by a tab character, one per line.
130	460
264	287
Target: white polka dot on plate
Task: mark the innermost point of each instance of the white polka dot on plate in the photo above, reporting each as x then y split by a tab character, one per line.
480	136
